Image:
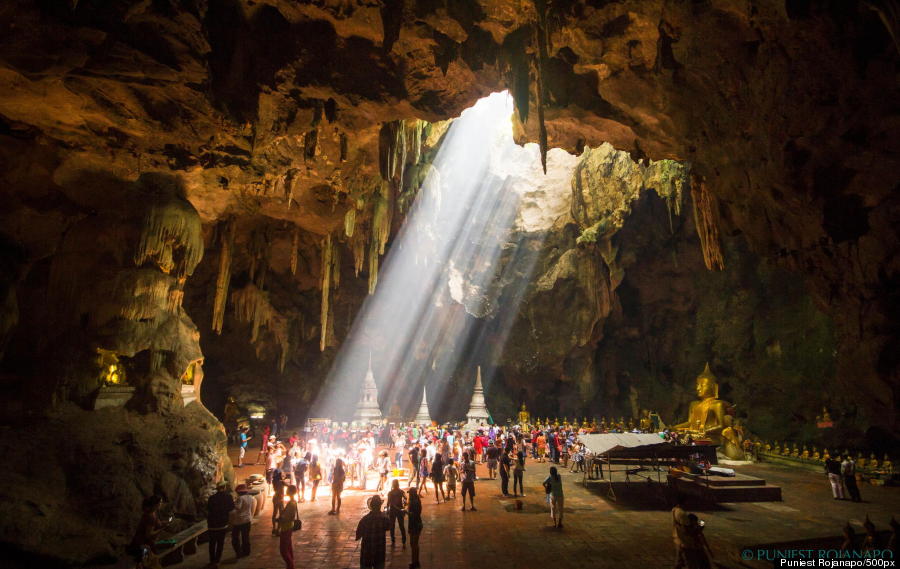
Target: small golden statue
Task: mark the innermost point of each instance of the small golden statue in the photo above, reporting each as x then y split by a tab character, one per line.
887	465
805	454
795	452
645	421
603	424
524	416
767	448
860	461
565	420
777	448
815	454
631	424
708	419
825	455
584	422
873	462
786	451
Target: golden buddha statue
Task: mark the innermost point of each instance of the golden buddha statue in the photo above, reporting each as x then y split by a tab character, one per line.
524	416
805	454
815	454
767	448
707	418
795	452
887	465
860	461
631	424
776	448
603	424
584	422
645	421
873	462
565	420
786	451
825	455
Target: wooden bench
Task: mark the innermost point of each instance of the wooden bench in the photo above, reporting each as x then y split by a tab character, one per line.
183	543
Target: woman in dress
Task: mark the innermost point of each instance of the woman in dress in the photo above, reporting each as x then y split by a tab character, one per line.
337	486
384	465
315	475
424	473
437	477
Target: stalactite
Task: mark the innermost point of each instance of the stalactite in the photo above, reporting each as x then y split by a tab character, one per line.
542	41
295	249
176	295
349	221
327	251
142	292
706	220
373	266
381	220
335	265
252	306
345	147
171	237
358	248
226	238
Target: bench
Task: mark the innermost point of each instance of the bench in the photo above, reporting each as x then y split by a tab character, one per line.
173	549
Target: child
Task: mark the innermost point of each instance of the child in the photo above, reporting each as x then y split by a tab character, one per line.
451	474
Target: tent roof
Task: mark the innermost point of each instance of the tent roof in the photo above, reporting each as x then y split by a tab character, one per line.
612	442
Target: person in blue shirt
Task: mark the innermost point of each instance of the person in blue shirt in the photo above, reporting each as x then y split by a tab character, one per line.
243	445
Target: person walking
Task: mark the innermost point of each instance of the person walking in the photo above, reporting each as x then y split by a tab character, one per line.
413	465
437	477
519	475
468	482
415	526
396	506
218	507
384	465
241	517
286	527
371	530
424	472
338	475
300	475
492	453
848	472
833	470
553	486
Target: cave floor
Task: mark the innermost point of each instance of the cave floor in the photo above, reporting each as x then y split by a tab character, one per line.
597	532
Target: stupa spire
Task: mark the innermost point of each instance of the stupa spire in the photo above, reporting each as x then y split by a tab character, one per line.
367	409
478	411
422	415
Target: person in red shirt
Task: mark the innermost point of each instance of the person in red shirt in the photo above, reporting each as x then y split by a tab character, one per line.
479	446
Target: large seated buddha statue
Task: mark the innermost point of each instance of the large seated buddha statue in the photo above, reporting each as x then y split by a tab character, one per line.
709	418
524	416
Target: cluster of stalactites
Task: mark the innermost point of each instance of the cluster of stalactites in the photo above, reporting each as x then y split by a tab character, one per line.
251	305
225	232
706	219
171	237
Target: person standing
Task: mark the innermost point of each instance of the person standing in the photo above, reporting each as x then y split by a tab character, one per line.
413	465
492	452
519	474
371	530
337	486
300	475
415	527
479	448
240	523
833	470
424	473
384	465
315	476
451	475
396	506
505	467
286	528
242	446
848	471
218	507
553	486
468	482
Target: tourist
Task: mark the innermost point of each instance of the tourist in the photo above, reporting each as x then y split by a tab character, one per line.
541	447
848	472
148	529
833	471
396	505
679	528
337	486
451	475
468	481
437	477
241	517
264	446
315	476
277	507
242	446
300	474
519	474
413	465
286	527
493	453
505	468
415	526
383	464
694	548
399	446
371	530
424	473
218	507
554	489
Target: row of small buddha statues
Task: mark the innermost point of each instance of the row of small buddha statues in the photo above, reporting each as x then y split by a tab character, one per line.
812	454
644	423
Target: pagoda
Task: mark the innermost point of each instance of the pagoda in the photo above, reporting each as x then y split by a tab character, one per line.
367	410
478	412
422	415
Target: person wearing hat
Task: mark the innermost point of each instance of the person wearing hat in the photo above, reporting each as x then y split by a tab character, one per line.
218	508
371	530
240	521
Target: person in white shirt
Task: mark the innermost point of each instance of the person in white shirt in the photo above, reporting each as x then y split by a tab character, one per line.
240	519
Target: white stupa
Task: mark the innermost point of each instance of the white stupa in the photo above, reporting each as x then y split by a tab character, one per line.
367	409
422	415
478	412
